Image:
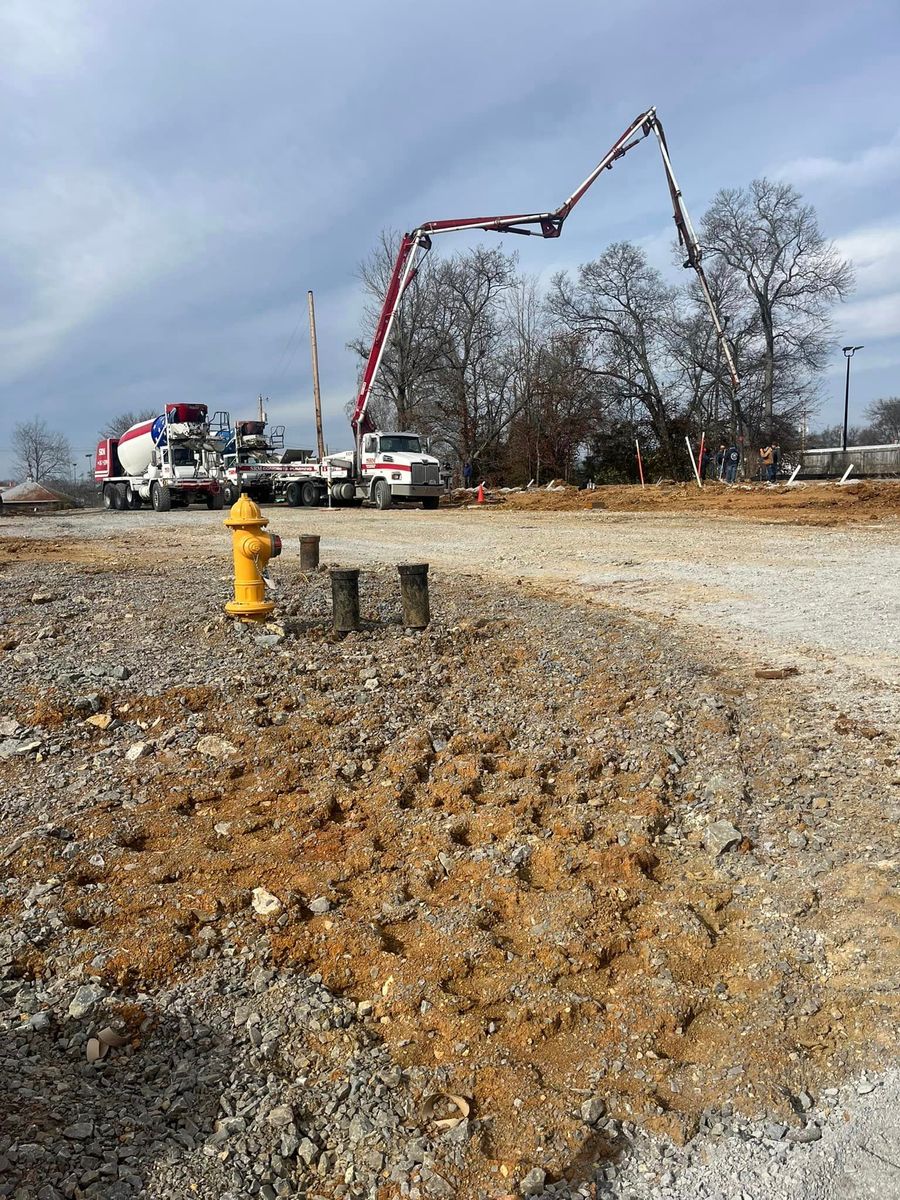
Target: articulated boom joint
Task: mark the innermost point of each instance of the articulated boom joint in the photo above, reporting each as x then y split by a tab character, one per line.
548	225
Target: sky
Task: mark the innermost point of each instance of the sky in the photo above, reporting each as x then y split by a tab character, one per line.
176	176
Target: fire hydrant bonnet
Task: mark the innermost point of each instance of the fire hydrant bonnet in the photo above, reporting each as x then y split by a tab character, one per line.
245	512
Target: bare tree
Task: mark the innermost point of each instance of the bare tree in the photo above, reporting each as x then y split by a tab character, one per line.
40	453
794	276
884	416
117	425
474	398
639	340
564	408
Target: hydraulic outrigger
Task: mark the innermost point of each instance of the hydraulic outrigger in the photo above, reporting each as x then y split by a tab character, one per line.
416	245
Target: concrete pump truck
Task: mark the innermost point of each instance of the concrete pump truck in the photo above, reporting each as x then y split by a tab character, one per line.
383	466
388	466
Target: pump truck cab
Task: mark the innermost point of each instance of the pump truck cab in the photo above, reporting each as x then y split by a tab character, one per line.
390	467
167	462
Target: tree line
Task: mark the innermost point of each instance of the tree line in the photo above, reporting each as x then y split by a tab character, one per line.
882	427
529	384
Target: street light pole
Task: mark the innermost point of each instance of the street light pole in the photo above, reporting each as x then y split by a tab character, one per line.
849	351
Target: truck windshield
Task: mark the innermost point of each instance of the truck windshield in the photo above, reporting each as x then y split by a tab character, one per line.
396	443
182	456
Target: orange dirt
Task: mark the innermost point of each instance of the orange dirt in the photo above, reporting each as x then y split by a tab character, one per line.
809	504
525	983
522	921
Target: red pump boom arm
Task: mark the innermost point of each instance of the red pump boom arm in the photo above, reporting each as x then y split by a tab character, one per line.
416	245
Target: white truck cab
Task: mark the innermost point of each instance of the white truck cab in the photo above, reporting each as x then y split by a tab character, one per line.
395	466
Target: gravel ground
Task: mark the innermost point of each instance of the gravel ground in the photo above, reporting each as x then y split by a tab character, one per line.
827	599
647	930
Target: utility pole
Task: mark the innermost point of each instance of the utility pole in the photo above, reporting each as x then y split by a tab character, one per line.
317	396
849	351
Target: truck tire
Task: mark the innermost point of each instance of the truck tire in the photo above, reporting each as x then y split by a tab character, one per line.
292	495
309	495
132	498
381	494
120	496
430	501
215	499
160	497
231	493
109	495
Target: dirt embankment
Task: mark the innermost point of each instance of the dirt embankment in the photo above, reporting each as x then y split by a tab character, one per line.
805	504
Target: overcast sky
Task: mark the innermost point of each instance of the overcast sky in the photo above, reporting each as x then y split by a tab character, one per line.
176	175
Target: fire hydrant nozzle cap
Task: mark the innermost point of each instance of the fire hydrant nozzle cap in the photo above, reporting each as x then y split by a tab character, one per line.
245	512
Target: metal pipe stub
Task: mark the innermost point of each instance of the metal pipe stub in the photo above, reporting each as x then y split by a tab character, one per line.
345	599
309	551
414	594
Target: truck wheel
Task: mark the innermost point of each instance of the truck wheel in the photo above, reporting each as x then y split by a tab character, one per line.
309	495
430	501
109	495
231	493
381	494
160	497
292	495
215	499
120	496
132	498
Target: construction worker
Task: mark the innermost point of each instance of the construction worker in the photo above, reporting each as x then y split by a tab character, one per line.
732	462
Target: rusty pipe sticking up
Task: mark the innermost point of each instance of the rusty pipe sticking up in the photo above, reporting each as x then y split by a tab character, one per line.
414	595
345	599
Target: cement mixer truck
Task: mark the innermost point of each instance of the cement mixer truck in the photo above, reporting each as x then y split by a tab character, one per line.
170	461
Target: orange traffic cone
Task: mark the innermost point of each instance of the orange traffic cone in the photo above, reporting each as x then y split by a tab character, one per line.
479	499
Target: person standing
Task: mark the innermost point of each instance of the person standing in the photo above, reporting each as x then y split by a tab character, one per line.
766	457
467	474
703	465
720	461
776	462
732	462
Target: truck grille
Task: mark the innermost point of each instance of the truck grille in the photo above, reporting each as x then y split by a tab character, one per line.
428	473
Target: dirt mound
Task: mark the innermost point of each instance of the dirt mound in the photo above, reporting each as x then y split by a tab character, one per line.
805	504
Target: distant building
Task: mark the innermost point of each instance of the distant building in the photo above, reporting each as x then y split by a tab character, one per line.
32	498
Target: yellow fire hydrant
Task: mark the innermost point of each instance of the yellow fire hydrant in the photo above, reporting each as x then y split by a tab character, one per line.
252	550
